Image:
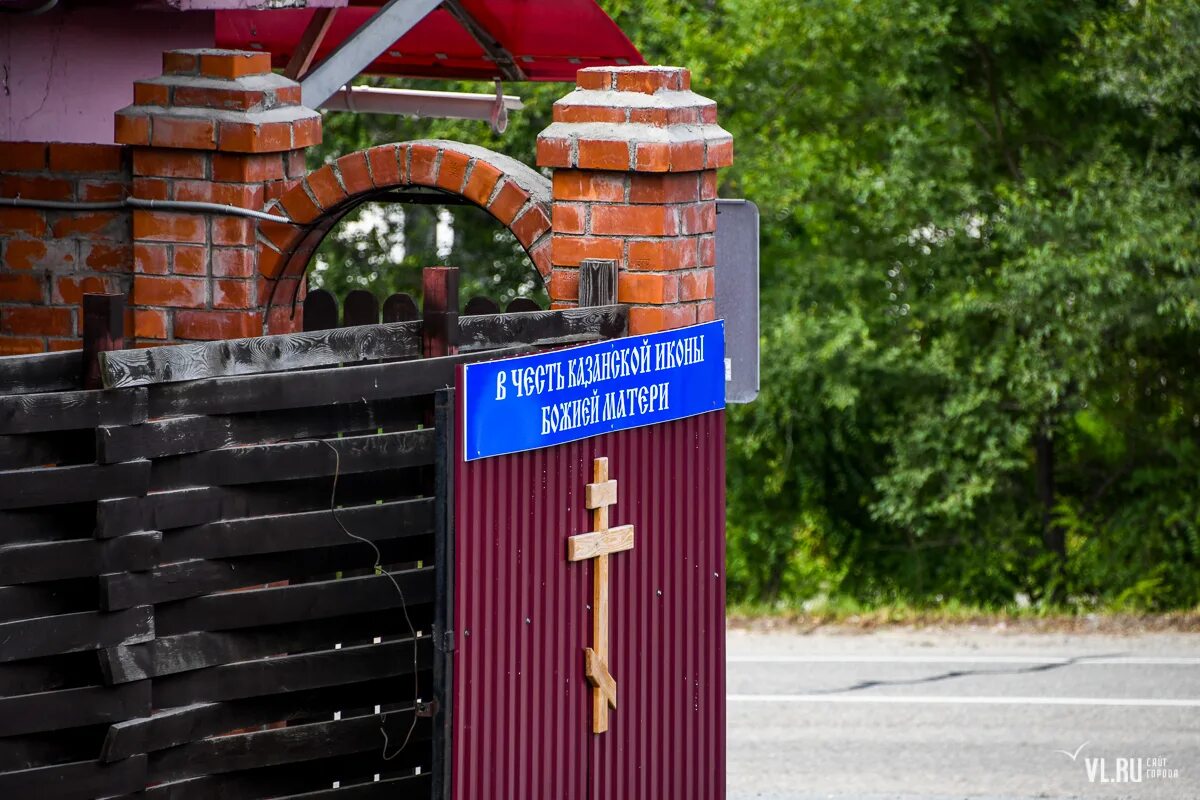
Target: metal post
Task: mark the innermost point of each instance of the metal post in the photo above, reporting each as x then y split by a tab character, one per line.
103	330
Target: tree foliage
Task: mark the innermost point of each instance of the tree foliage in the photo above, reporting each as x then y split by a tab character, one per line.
980	289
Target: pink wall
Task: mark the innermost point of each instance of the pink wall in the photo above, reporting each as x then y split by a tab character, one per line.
64	73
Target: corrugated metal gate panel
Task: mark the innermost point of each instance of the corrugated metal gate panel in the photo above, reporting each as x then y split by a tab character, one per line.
522	718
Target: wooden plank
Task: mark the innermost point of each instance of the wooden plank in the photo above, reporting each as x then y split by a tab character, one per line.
48	673
262	354
46	599
600	543
281	746
75	558
44	449
192	434
407	786
67	521
275	391
292	603
80	780
478	305
62	411
400	307
168	655
169	727
519	305
88	630
565	326
360	308
439	311
597	282
291	460
53	485
103	330
41	372
52	747
180	508
320	311
72	708
304	776
266	676
277	533
195	577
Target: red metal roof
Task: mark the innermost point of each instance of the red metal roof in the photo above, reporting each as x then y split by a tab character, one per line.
548	39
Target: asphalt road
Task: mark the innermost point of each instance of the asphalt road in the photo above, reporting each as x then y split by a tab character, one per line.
963	714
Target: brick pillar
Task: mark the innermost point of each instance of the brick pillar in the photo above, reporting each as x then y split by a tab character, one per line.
218	126
635	154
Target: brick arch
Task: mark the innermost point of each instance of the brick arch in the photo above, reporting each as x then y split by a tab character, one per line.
515	194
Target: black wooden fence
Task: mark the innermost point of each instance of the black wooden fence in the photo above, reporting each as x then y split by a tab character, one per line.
219	576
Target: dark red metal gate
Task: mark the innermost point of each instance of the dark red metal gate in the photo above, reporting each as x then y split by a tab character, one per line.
522	706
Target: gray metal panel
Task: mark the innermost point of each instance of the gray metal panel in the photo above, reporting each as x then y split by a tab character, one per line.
362	47
736	292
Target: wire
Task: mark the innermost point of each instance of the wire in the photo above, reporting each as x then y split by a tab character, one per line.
141	202
337	468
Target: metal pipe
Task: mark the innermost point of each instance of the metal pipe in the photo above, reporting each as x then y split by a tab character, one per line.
139	202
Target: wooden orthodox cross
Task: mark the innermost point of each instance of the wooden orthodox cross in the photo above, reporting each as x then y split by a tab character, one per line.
598	544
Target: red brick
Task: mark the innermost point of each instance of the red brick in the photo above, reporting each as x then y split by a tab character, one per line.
569	217
31	321
356	177
453	171
232	230
385	170
508	201
188	133
58	345
594	78
232	262
131	129
699	218
696	285
179	63
325	188
635	220
422	164
28	221
91	158
687	156
94	224
306	132
169	227
107	256
151	94
21	288
214	325
169	165
530	226
600	154
652	79
20	347
97	191
666	116
553	152
677	187
564	284
658	288
36	188
247	168
707	247
189	260
719	154
234	294
483	180
150	259
150	290
234	64
706	311
653	156
233	99
149	323
541	258
70	290
574	184
295	165
281	320
242	195
569	251
649	319
662	254
246	137
22	156
55	255
589	113
299	206
152	188
708	185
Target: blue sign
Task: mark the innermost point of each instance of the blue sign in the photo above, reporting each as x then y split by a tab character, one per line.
550	398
